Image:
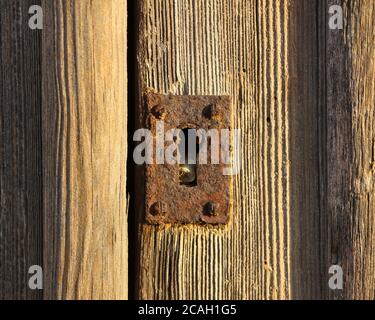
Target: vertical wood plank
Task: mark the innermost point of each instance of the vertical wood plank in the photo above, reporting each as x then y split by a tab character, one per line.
84	149
246	49
20	150
306	142
351	148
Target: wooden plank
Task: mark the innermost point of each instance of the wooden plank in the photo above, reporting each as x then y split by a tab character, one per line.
84	149
351	148
249	50
20	150
306	140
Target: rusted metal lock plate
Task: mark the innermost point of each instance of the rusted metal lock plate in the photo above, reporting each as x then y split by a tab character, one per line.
207	199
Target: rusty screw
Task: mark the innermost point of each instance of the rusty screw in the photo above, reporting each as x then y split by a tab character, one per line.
158	209
158	112
209	209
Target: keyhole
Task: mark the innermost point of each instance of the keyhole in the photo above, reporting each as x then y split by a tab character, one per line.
189	149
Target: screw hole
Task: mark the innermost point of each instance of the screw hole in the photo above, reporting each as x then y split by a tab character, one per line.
209	209
208	111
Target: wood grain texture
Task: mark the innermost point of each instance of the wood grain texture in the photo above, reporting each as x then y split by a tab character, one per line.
239	48
84	149
20	150
303	96
350	148
308	262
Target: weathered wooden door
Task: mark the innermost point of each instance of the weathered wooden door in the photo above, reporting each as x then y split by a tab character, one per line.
302	92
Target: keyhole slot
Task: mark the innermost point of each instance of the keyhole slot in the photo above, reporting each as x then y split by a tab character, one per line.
189	150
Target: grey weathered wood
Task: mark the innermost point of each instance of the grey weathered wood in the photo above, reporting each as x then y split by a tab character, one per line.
20	150
306	113
350	148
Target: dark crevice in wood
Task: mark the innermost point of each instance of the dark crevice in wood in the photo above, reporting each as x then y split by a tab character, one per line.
131	166
321	22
